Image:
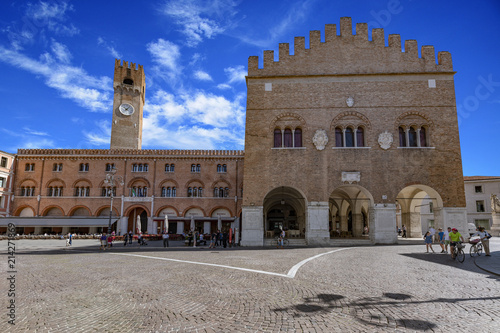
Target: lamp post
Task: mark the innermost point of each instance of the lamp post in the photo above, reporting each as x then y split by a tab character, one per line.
110	180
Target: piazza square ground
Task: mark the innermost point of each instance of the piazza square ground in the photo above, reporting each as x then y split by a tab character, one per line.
397	288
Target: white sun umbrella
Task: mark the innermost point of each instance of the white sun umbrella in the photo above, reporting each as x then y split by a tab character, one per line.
166	223
219	223
138	226
192	222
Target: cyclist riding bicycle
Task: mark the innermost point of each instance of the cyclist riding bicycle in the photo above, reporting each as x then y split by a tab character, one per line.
455	237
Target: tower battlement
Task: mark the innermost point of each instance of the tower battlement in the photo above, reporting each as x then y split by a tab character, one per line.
349	53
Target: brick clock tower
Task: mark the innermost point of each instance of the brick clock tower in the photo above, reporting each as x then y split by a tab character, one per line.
129	87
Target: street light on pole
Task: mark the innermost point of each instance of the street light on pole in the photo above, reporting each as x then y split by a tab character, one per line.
110	180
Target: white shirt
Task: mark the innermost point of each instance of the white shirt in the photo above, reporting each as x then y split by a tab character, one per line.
481	234
446	235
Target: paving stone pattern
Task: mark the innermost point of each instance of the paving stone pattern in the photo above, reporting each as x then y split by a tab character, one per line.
362	289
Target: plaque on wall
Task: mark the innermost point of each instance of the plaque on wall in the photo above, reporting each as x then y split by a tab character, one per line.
385	140
320	139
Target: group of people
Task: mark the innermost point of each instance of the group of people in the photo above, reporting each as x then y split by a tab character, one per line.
219	238
452	237
107	240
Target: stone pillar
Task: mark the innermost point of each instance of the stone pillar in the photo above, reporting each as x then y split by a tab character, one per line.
123	225
252	227
343	222
383	224
38	231
180	227
456	217
357	225
414	229
317	223
495	228
206	227
65	230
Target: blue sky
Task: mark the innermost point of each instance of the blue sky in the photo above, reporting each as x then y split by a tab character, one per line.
58	57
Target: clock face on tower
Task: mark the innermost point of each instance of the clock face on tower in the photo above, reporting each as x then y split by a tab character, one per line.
126	109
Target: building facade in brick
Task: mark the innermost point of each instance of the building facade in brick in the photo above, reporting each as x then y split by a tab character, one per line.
342	135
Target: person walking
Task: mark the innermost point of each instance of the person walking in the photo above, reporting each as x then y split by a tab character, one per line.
428	241
130	237
125	239
103	242
447	239
165	239
404	231
484	240
441	239
212	240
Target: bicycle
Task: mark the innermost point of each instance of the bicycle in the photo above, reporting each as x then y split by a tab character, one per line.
458	252
476	248
277	240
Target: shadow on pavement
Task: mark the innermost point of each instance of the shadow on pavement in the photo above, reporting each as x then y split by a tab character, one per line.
375	306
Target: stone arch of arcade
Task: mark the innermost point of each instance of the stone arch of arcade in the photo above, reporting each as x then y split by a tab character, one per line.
284	207
131	215
418	207
349	207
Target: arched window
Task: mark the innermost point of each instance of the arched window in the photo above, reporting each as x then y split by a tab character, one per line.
349	137
423	137
412	137
174	192
339	138
195	192
297	137
216	192
360	137
193	168
135	168
218	168
167	167
402	137
84	167
139	168
198	168
163	191
110	166
277	138
200	192
172	167
224	168
190	192
226	192
146	167
128	81
288	138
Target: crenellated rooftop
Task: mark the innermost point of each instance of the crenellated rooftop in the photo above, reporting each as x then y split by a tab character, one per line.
350	53
156	153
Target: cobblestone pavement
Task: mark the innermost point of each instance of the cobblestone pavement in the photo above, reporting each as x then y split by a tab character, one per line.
396	288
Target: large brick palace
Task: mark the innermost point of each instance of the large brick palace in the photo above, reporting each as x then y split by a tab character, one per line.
341	138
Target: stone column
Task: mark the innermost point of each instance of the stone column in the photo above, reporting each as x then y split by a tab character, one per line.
495	228
206	227
180	227
414	229
456	217
343	222
383	224
252	227
405	221
317	223
38	231
357	225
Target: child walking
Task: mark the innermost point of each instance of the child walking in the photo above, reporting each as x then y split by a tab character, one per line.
428	241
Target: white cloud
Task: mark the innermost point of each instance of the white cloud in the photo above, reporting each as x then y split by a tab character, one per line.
100	138
51	15
223	86
166	55
236	74
111	49
72	82
200	19
202	121
61	52
29	131
202	76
